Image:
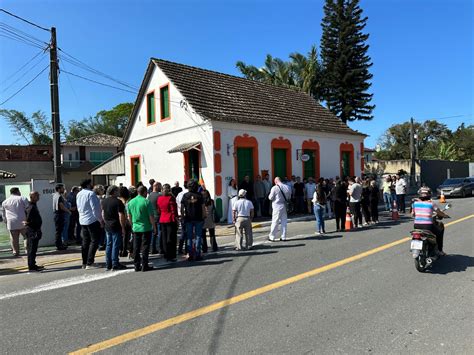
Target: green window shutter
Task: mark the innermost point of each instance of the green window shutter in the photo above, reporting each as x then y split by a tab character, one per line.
164	101
151	108
309	166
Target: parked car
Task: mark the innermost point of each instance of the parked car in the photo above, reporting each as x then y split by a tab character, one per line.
460	187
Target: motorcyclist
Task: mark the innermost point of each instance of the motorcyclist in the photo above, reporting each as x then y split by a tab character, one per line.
423	210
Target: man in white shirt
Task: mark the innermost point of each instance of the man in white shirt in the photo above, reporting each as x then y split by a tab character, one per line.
90	219
310	188
400	191
14	214
243	212
355	194
182	236
280	194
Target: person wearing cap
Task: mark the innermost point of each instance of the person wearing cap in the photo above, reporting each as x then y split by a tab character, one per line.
423	209
243	212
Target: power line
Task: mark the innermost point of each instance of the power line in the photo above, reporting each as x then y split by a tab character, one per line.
18	39
28	83
23	75
98	82
24	20
22	33
78	63
24	65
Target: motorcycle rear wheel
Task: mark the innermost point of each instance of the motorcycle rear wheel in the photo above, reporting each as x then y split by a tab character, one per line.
420	264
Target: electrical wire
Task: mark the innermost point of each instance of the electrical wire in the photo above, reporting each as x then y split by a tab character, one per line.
98	82
24	74
21	33
24	20
9	36
78	63
24	65
28	83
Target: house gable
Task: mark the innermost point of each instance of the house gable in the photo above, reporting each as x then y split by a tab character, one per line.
179	113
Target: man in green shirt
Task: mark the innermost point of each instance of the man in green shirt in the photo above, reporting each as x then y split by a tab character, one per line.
141	216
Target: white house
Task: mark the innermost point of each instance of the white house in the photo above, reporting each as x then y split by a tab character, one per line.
189	122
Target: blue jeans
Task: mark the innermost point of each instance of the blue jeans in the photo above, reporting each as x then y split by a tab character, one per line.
194	228
387	198
156	239
318	213
65	234
114	242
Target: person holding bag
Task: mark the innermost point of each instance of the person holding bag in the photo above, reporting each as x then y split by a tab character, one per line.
319	203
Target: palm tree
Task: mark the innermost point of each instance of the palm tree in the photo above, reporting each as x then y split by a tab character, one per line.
302	72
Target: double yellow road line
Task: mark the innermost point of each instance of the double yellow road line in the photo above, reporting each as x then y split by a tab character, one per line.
106	344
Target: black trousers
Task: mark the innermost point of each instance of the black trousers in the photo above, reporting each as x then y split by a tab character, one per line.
141	243
340	212
74	229
32	239
401	203
212	237
366	211
90	242
355	210
169	236
374	210
58	229
438	230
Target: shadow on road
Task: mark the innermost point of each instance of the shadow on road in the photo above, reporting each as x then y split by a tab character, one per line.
452	263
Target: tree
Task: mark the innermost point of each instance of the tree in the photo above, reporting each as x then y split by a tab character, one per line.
435	141
34	130
463	139
345	61
301	72
111	122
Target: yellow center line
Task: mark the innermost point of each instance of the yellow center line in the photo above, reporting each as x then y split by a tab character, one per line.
93	348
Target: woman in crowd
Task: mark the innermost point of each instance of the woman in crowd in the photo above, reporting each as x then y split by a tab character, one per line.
209	223
365	201
340	204
168	211
124	196
232	192
319	202
374	201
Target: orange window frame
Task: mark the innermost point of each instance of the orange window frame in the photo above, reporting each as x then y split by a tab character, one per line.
163	119
347	148
314	146
132	174
281	143
148	123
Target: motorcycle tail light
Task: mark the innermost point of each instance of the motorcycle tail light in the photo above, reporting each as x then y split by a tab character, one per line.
417	236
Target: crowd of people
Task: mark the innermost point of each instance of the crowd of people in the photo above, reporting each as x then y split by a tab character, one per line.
137	221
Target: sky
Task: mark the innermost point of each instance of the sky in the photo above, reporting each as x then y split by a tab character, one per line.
422	51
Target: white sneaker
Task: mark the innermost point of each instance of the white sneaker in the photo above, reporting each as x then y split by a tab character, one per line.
365	224
92	267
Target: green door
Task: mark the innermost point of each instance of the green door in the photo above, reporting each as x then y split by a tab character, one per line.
309	166
136	171
346	158
244	163
193	168
279	162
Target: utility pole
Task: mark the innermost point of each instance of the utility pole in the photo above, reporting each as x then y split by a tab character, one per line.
53	77
412	155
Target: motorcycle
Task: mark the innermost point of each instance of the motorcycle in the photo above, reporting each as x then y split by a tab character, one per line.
423	244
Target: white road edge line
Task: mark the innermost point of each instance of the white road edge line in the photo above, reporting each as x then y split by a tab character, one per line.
72	281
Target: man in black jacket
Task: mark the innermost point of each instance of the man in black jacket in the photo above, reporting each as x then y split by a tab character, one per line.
33	231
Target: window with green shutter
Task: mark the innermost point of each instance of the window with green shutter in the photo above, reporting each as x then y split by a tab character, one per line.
150	104
98	157
165	102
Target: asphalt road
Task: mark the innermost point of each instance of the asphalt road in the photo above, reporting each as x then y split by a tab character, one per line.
376	303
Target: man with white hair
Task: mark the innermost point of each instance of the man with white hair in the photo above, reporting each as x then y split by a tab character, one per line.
280	194
243	212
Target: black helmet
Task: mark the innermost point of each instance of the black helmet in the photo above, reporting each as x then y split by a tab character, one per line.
424	192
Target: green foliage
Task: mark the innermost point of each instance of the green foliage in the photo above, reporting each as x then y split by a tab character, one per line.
434	140
34	130
345	61
301	72
111	122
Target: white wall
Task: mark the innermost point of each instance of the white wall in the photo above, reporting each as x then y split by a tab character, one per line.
152	142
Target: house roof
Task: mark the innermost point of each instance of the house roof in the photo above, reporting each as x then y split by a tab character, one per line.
95	140
185	147
226	98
